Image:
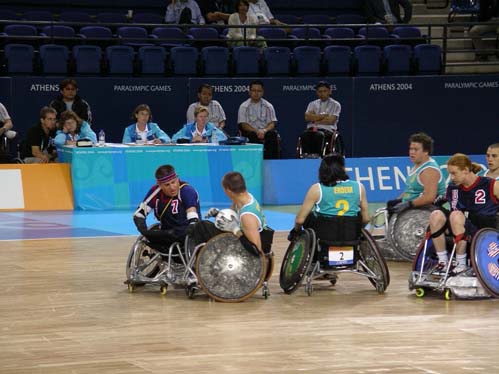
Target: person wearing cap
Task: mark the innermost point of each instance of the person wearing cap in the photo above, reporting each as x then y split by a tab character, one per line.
322	116
175	204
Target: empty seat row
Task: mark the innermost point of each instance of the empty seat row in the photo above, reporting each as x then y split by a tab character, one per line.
215	60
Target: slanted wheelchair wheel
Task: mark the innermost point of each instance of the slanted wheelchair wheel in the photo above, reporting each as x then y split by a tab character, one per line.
371	256
297	261
142	259
485	259
430	257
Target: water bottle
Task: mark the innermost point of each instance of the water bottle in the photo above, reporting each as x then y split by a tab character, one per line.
102	138
214	137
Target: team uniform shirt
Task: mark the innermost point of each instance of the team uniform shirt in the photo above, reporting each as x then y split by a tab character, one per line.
261	11
413	186
215	110
330	107
483	173
257	114
171	212
253	208
343	199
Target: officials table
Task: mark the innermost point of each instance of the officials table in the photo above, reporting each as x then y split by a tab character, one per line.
117	176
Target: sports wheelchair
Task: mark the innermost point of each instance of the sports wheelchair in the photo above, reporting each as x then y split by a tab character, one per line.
481	280
318	143
335	245
399	235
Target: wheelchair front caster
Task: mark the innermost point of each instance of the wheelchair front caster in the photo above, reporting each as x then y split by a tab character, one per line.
265	292
164	289
131	287
448	294
309	288
420	292
380	288
190	291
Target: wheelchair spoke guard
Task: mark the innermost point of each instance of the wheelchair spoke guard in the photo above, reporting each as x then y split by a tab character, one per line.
296	262
485	259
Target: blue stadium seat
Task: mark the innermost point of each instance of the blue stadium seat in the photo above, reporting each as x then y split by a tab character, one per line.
96	32
350	19
277	60
6	14
128	33
147	18
467	7
367	59
428	58
270	33
205	36
338	60
120	59
289	19
307	60
19	58
75	16
152	60
174	33
246	60
20	30
215	60
184	60
342	36
306	33
408	35
111	17
54	59
38	15
87	59
398	58
376	35
317	19
59	31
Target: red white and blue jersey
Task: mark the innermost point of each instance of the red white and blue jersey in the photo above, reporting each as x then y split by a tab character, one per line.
171	212
477	199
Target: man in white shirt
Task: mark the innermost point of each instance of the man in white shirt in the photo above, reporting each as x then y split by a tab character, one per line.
261	11
322	116
205	96
257	119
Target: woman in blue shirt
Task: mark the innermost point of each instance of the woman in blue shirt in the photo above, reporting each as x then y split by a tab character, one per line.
71	129
144	131
200	131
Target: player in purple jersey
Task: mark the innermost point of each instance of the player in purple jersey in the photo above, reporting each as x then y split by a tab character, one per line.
175	204
474	203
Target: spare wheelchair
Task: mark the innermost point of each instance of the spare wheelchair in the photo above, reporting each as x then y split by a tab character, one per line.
317	144
336	244
481	280
399	235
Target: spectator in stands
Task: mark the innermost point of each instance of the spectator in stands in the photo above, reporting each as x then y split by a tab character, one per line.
213	12
69	99
257	121
322	117
144	130
200	130
244	36
424	181
492	157
6	134
184	12
387	11
39	147
261	11
489	12
205	96
72	128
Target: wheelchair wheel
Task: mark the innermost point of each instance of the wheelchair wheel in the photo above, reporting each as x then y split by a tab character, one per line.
337	145
143	260
297	260
430	257
371	256
485	259
270	267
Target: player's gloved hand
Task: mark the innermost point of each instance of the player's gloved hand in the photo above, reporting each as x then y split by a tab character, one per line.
439	201
391	203
294	234
400	207
140	223
212	212
192	225
228	225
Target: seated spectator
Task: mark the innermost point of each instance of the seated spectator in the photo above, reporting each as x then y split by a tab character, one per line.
205	95
261	11
387	11
71	129
489	12
199	131
243	36
213	12
68	99
6	134
257	119
184	12
143	130
39	147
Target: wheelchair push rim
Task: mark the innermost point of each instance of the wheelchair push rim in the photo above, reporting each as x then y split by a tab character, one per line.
297	260
374	258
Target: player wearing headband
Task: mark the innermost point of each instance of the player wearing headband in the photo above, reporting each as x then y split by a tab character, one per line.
175	204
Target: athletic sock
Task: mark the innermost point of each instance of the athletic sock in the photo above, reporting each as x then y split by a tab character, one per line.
461	259
442	257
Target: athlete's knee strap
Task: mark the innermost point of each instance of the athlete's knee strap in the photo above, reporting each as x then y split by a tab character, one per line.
439	232
464	236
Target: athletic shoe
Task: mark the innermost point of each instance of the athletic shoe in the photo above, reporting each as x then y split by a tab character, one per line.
458	269
440	268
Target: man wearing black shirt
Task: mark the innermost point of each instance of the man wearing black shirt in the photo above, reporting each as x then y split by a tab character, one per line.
39	148
68	99
215	11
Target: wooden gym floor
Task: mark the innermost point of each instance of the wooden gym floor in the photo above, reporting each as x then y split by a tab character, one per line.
64	309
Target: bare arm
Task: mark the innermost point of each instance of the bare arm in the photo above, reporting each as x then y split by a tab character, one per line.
7	125
311	198
364	206
321	119
36	151
250	225
429	178
221	125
